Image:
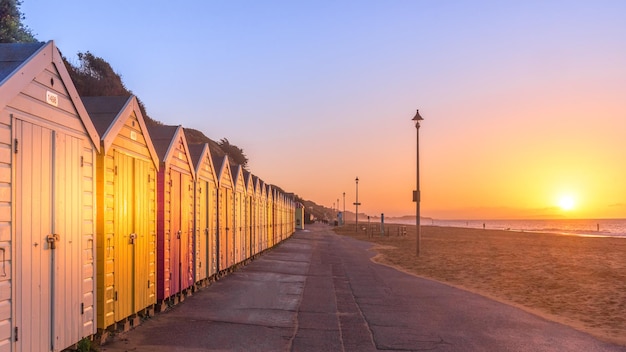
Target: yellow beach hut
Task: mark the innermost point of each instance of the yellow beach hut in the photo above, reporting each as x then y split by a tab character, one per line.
127	166
48	149
205	223
271	220
256	215
240	216
225	216
250	218
263	225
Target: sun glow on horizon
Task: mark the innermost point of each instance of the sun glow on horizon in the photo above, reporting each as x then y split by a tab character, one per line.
567	203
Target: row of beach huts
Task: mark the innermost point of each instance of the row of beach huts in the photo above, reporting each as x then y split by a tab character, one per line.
105	220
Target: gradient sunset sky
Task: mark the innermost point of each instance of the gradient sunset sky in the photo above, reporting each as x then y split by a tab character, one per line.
524	102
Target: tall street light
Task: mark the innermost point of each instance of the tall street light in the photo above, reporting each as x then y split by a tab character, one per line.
357	203
416	194
343	217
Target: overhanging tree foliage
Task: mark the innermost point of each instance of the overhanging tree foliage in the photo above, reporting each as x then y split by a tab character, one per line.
12	30
234	152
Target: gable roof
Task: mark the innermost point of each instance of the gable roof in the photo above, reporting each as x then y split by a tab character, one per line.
162	136
20	64
165	138
104	110
222	166
198	153
14	55
236	171
109	115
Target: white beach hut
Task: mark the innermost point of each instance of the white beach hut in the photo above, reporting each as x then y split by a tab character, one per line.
48	149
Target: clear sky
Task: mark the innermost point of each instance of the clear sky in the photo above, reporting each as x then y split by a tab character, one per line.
524	102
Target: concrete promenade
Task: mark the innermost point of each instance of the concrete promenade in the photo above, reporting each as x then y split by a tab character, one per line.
321	292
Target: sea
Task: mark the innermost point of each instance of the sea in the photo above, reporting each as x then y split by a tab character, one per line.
579	227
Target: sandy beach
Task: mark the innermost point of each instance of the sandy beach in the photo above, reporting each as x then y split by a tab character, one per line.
578	281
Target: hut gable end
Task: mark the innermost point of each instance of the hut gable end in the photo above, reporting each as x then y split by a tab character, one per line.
39	82
203	162
116	117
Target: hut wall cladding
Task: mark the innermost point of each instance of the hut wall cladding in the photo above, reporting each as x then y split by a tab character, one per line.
205	212
126	230
175	237
47	203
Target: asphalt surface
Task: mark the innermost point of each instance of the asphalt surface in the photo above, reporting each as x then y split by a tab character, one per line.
318	291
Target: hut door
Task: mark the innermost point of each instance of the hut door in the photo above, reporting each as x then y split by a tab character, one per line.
222	223
143	280
175	232
132	234
186	228
124	234
203	231
47	238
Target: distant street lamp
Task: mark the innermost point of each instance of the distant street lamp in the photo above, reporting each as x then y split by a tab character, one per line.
343	217
416	194
356	203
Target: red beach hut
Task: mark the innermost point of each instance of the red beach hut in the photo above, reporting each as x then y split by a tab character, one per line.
175	213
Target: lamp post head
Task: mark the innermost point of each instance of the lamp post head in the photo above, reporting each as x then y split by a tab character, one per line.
417	118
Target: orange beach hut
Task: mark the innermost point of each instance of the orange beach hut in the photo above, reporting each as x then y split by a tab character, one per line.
205	224
126	229
225	217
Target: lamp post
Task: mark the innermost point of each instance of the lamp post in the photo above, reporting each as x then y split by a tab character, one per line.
416	194
356	203
343	218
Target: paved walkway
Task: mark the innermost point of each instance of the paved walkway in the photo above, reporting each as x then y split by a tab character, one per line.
320	292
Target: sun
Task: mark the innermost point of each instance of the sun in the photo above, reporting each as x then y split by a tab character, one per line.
567	203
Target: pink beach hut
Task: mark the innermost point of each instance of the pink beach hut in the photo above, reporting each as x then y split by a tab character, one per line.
175	213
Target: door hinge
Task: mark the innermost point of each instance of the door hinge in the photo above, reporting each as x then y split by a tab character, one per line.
115	170
15	146
82	161
82	308
148	283
115	296
16	336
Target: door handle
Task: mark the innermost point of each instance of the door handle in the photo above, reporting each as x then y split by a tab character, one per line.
52	239
131	238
